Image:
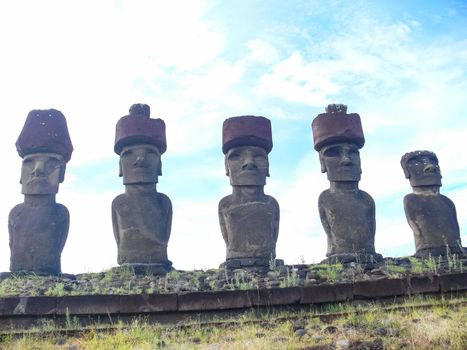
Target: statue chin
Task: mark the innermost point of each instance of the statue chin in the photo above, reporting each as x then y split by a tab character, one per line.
37	188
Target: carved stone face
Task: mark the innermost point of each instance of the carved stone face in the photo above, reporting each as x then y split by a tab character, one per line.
41	173
247	166
140	164
341	162
423	170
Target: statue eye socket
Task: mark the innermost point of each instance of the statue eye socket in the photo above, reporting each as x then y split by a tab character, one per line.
234	156
127	153
332	152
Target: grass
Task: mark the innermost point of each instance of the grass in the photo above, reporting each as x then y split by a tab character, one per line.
442	325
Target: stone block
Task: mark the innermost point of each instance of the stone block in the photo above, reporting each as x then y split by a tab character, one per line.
380	288
88	305
145	303
423	284
326	293
224	300
275	296
454	282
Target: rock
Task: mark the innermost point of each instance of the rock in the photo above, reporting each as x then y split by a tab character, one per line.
300	332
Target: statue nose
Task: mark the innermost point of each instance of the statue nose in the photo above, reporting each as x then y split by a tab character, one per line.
38	169
249	165
430	168
346	161
140	161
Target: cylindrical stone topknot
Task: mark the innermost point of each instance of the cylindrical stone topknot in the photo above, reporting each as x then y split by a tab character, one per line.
140	109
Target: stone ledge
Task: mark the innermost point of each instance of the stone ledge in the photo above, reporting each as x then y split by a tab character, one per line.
94	305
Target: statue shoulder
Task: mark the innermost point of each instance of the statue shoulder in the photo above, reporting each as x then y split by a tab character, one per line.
271	200
61	209
164	198
324	196
367	197
16	210
119	200
447	200
411	199
225	202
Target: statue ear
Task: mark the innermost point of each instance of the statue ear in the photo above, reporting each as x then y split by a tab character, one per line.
227	173
62	172
159	173
120	172
406	171
323	165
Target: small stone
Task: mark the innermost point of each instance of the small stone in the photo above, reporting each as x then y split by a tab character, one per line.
196	340
330	329
272	274
300	332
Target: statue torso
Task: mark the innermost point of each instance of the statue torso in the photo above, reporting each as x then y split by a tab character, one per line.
143	227
251	227
37	237
435	220
350	220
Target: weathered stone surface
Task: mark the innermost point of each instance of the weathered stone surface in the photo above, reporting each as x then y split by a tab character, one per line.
45	131
347	213
249	219
38	228
246	130
379	288
27	306
138	127
453	282
431	215
423	284
143	303
326	293
141	217
275	296
336	126
38	232
88	305
224	300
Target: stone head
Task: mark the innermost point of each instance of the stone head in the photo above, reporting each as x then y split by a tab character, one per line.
140	164
41	173
421	168
45	146
140	141
341	162
247	166
246	142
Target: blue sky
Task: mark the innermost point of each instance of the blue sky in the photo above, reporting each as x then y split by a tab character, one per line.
400	64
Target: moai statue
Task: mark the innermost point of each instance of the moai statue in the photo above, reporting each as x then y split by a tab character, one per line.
249	219
38	228
347	213
431	215
141	217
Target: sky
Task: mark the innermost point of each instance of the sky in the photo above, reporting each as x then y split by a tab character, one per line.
401	65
